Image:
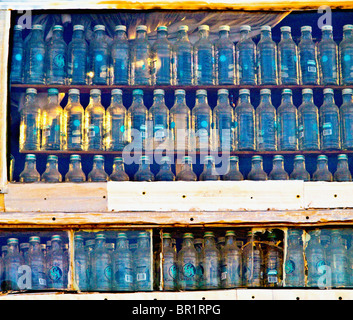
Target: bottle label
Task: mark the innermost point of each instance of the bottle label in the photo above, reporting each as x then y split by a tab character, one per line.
74	131
189	270
327	129
330	130
55	273
100	63
272	276
288	63
289	266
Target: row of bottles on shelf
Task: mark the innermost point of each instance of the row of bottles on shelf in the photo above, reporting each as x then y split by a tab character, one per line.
119	62
224	128
186	173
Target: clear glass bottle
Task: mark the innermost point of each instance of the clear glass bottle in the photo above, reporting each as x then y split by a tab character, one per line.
257	172
165	173
143	263
81	264
118	173
308	60
144	172
183	54
223	115
342	173
89	248
211	262
162	55
99	57
287	127
170	268
267	57
36	262
245	118
98	173
34	56
51	173
94	122
233	173
209	170
77	57
30	173
246	57
322	172
294	265
328	57
287	58
188	263
186	173
252	262
204	58
329	122
273	262
308	123
140	58
346	119
345	50
52	122
17	57
224	57
299	172
278	172
56	264
266	121
120	57
56	57
30	123
75	173
198	245
13	262
24	251
116	123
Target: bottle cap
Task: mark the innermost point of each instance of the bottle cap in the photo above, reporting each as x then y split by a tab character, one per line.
307	90
143	234
222	91
158	91
326	28
34	239
208	234
56	237
165	159
75	157
183	28
234	158
137	91
52	157
209	158
167	235
120	28
37	27
204	27
58	27
286	29
94	91
348	27
100	236
53	91
201	92
99	27
265	91
230	233
265	28
256	158
342	157
224	28
299	157
278	157
286	91
74	91
98	157
31	90
186	159
306	28
18	27
78	237
120	159
122	235
244	91
188	235
347	91
30	156
79	27
141	28
145	158
245	27
180	91
322	157
117	91
162	28
12	241
328	90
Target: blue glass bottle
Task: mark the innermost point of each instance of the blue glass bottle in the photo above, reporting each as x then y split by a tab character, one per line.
233	172
225	57
187	264
13	262
120	57
287	128
266	123
299	172
75	173
211	262
56	265
36	262
329	122
267	57
257	172
273	262
170	268
143	263
165	172
346	56
309	72
322	172
209	172
342	174
56	57
287	58
30	173
246	58
118	173
252	261
144	173
77	57
294	264
17	58
278	172
245	120
98	174
346	119
81	264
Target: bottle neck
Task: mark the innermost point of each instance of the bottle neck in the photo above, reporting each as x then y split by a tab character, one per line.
244	98
209	241
287	98
329	98
223	99
257	165
100	243
35	247
308	97
165	166
299	164
78	34
117	99
138	99
183	35
141	35
31	98
12	248
286	35
162	34
265	98
167	242
265	34
188	243
234	165
76	164
223	34
118	166
74	98
326	34
144	166
99	34
244	34
204	34
56	245
322	164
201	99
120	35
78	244
17	36
209	165
37	35
186	167
278	164
158	98
57	35
30	165
347	34
143	243
230	240
347	98
53	99
52	164
98	164
180	99
95	98
307	35
342	164
122	244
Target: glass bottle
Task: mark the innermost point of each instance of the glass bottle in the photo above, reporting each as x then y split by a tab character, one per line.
257	172
287	128
225	57
98	173
186	173
287	58
346	119
202	121
56	57
81	264
13	262
209	170
17	57
89	248
342	173
198	245
273	262
56	264
328	57
123	277
94	122
144	173
180	122
137	119
77	57
322	173
183	53
162	55
233	173
346	55
204	58
294	264
246	57
188	263
278	172
267	57
99	57
34	56
140	58
308	122
36	262
252	262
266	121
223	115
299	172
52	122
165	173
30	122
24	251
308	60
118	173
211	262
170	269
143	263
51	173
329	122
120	57
75	173
245	118
116	123
30	173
